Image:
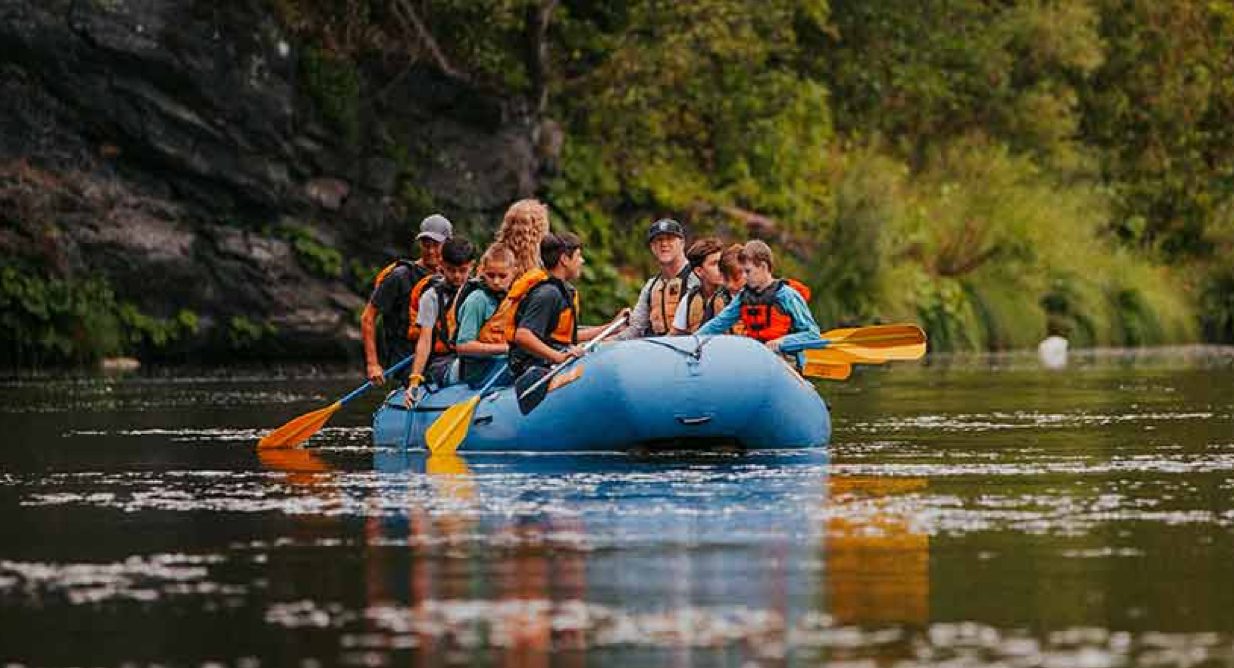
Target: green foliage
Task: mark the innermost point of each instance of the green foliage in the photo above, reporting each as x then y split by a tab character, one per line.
925	73
695	106
57	320
362	276
243	333
1159	110
573	197
986	251
334	82
997	171
315	256
1217	305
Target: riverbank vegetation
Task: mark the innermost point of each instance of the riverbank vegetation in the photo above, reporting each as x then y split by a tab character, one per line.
996	172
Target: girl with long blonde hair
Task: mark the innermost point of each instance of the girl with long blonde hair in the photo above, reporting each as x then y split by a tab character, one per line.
522	229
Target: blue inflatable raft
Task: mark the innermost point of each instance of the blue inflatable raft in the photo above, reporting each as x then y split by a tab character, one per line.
680	392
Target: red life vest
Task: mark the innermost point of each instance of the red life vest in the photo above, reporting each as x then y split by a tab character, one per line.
761	315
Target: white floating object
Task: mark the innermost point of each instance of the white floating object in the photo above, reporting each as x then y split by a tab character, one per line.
1053	352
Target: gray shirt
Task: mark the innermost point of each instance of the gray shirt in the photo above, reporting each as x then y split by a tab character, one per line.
640	317
427	315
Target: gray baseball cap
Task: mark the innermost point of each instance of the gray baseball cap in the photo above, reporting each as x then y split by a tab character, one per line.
435	227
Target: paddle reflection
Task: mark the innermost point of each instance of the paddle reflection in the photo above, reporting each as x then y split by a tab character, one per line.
303	468
878	565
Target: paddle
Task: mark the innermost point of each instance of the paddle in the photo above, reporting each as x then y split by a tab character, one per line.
868	345
832	355
450	428
300	429
826	370
532	386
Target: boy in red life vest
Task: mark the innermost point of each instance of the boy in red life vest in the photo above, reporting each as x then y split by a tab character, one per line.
703	301
770	310
391	291
541	308
434	297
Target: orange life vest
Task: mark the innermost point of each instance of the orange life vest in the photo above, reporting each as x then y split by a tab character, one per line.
700	309
503	324
417	272
443	340
465	292
761	315
664	297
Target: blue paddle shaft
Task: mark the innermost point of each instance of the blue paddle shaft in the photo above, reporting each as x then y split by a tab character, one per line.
798	346
385	374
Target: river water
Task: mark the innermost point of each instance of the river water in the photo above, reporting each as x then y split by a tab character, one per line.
975	511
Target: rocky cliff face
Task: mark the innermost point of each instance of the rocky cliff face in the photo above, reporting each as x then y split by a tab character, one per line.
198	157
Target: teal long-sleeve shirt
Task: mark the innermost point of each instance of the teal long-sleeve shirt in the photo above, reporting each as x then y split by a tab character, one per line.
788	299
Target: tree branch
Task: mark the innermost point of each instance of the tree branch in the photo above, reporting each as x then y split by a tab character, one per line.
407	16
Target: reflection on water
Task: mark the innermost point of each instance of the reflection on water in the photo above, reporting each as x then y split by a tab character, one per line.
970	513
878	565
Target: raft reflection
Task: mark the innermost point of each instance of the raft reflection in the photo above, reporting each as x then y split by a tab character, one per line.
571	561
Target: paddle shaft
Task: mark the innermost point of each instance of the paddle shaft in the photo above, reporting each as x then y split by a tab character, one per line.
369	385
586	347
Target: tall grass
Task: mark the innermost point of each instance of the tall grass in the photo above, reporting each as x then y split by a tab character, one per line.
987	252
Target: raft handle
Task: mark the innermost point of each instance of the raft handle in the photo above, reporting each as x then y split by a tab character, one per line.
487	419
692	421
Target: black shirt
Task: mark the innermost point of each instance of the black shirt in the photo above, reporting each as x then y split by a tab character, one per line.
539	312
391	298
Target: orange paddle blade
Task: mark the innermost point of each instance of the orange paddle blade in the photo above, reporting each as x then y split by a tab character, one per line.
827	370
450	428
299	429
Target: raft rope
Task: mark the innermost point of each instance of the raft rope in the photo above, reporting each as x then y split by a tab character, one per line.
696	354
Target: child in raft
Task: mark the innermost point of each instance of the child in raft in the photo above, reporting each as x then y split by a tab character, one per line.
768	309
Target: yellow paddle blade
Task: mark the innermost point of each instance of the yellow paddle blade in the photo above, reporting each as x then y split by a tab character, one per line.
827	370
833	334
880	354
840	356
880	342
299	429
879	336
450	428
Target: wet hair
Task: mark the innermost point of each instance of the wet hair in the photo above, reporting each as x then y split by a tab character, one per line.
756	252
699	250
556	246
457	251
730	261
498	252
522	229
